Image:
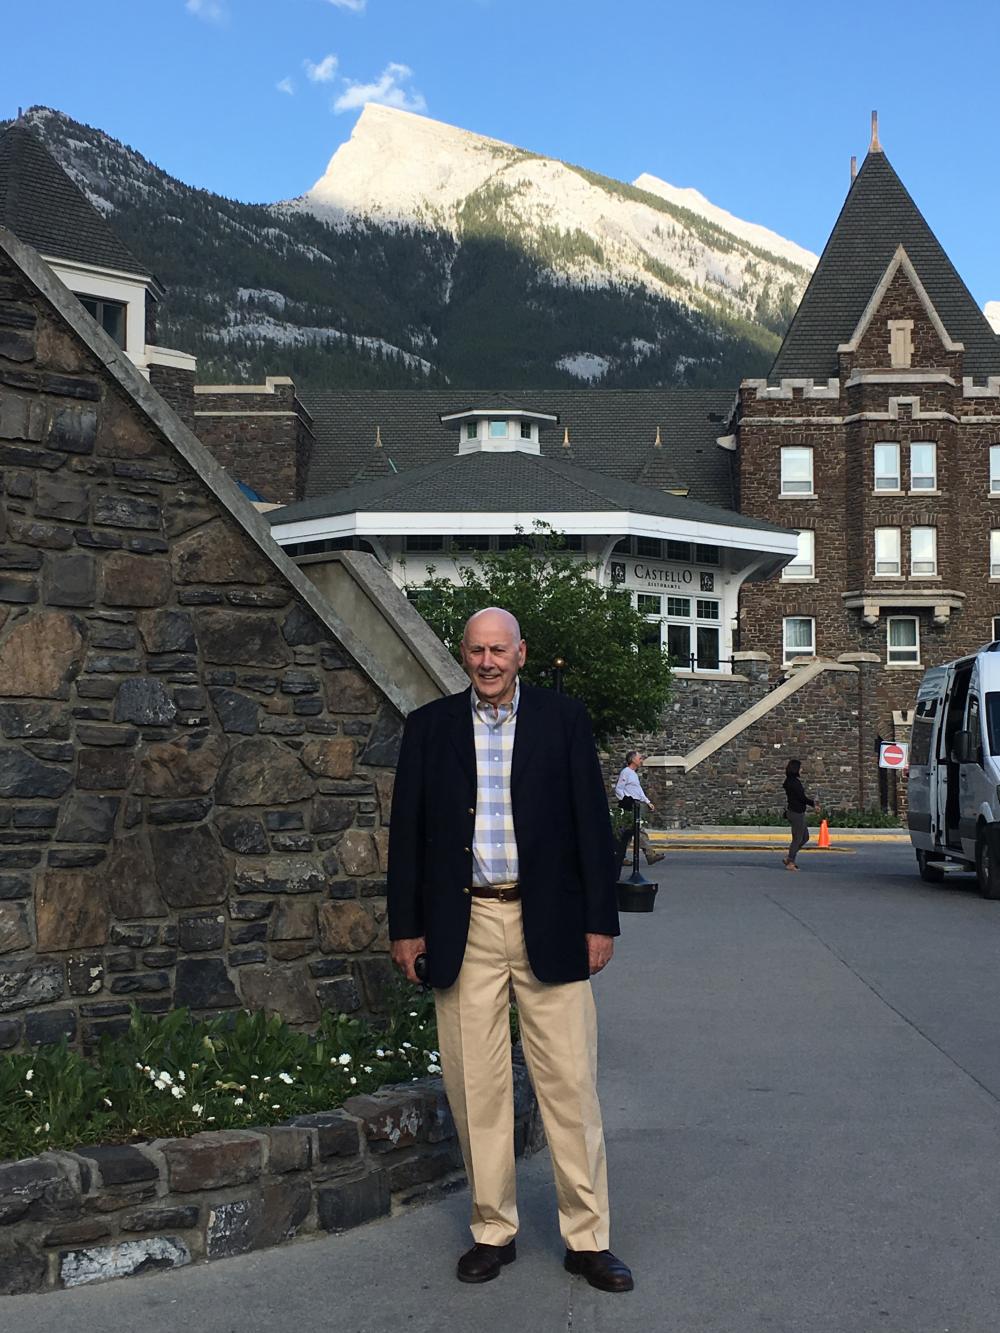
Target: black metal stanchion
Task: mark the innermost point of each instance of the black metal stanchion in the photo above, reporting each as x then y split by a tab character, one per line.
636	894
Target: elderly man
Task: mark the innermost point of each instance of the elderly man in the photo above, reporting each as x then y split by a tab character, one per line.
629	790
502	870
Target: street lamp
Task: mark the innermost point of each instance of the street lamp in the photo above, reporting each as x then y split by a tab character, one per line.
558	667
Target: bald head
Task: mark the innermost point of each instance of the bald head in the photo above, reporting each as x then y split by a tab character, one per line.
492	653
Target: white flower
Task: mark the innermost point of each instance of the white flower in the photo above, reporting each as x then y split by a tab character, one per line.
237	1101
432	1068
29	1076
38	1129
413	1013
195	1065
210	1119
107	1102
407	1046
285	1078
353	1079
344	1060
46	1126
139	1067
29	1093
275	1106
177	1092
368	1069
380	1053
198	1108
159	1083
181	1075
254	1078
165	1077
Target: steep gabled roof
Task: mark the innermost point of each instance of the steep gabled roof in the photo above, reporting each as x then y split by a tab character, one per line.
611	430
44	208
878	216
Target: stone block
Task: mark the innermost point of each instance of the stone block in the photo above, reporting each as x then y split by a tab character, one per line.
260	771
120	1165
329	758
378	979
356	852
125	511
88	818
41	654
85	974
104	769
10	1036
170	1217
241	638
204	983
243	834
21	590
29	720
21	417
345	927
78	1268
73	430
140	983
21	774
198	934
347	691
246	909
284	1206
189	864
254	932
289	1148
23	1268
47	1027
216	553
167	631
187	766
130	880
90	733
282	990
212	1160
71	910
301	627
338	1135
293	919
230	1227
332	814
145	702
14	933
237	713
135	580
382	748
340	996
396	1117
38	1189
186	811
343	1204
70	580
56	497
282	874
84	1231
411	1167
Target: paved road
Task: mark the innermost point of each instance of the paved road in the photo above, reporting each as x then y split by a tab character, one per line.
800	1076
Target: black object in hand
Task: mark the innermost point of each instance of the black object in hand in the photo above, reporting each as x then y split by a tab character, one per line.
420	968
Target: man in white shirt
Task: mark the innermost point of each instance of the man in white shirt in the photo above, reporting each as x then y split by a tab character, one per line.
628	789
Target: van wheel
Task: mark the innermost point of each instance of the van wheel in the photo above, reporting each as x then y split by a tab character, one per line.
930	871
987	871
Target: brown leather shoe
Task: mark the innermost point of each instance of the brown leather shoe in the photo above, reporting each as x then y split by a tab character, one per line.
601	1269
483	1262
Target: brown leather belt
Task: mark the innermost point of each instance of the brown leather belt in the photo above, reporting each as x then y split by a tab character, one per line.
506	893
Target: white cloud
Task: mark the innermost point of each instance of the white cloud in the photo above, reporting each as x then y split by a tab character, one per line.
356	6
286	86
386	89
212	11
322	72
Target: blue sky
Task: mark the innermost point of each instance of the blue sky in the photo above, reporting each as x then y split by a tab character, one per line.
757	103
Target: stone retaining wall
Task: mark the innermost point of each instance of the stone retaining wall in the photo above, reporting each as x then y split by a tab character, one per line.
72	1218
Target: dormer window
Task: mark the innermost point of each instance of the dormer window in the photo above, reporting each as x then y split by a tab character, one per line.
525	430
109	314
498	430
472	430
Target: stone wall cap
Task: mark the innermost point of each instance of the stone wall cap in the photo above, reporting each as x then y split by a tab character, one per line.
751	657
859	657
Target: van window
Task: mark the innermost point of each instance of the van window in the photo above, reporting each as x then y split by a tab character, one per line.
923	729
993	721
974	728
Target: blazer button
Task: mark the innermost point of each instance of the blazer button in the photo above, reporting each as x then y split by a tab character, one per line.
466	890
466	849
472	809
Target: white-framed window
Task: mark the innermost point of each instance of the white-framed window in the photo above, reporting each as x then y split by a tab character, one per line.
525	430
995	469
707	610
995	554
887	467
903	640
648	603
109	314
796	471
472	430
798	637
923	466
887	559
804	564
498	430
923	552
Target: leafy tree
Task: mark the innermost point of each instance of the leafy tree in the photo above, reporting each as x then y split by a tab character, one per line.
563	612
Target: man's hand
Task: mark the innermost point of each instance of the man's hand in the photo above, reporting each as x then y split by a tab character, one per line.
403	954
599	951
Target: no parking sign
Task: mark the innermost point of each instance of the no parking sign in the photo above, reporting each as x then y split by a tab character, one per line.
892	754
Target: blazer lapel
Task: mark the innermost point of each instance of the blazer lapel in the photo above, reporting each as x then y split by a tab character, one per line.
461	733
526	735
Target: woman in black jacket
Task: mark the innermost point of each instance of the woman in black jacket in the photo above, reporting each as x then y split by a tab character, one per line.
796	801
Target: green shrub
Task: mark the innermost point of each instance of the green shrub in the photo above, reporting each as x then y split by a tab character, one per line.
175	1075
835	818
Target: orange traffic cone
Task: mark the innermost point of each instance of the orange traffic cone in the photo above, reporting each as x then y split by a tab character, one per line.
824	834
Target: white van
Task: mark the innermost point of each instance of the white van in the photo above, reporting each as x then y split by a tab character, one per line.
954	783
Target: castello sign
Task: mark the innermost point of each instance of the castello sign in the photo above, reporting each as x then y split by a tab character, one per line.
638	574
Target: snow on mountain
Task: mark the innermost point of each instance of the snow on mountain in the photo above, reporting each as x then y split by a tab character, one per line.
695	202
398	168
992	312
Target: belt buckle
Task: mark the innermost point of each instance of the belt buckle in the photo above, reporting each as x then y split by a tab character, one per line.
506	895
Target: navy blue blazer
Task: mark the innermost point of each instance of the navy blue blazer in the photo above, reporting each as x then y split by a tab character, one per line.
566	857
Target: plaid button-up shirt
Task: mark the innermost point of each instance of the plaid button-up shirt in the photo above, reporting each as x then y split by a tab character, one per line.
494	847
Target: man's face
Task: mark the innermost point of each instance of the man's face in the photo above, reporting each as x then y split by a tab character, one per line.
492	657
637	762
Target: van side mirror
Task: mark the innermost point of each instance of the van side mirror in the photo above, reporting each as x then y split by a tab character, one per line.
961	747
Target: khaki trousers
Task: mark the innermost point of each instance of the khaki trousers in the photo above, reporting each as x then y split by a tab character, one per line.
559	1036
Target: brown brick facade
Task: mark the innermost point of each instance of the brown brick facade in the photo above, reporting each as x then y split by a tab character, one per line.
262	435
875	402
